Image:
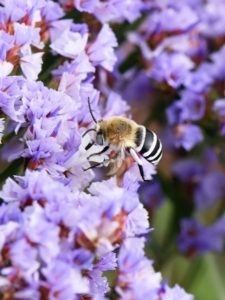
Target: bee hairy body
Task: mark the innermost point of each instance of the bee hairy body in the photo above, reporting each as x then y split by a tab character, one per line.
118	131
125	134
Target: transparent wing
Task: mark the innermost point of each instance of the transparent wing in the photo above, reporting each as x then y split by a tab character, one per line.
116	162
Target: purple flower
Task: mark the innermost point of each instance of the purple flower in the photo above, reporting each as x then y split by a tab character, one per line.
30	63
29	189
123	198
87	91
151	195
70	44
51	124
10	212
200	80
191	107
211	189
133	173
41	232
7	43
30	292
136	89
193	46
107	262
61	226
23	9
188	170
25	257
101	51
61	278
114	11
218	64
115	105
137	222
8	231
175	293
187	136
213	19
136	276
175	113
219	108
171	68
80	67
205	187
5	68
51	11
176	17
98	284
10	99
18	33
197	239
55	28
41	241
27	35
107	218
88	5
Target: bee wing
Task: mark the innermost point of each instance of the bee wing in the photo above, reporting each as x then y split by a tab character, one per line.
115	163
114	166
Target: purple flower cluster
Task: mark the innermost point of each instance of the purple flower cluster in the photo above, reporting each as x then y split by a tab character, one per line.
57	241
207	189
175	41
63	229
47	230
179	51
108	11
24	30
196	238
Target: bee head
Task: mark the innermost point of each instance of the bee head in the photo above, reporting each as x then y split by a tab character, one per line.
100	136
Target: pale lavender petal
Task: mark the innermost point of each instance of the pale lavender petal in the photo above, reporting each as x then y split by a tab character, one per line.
69	44
101	52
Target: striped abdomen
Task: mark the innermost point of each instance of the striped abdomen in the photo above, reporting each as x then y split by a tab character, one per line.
148	145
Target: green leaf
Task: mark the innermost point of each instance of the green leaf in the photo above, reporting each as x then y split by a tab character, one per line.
209	282
199	276
15	168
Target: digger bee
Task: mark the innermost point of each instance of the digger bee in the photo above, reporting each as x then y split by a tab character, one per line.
125	135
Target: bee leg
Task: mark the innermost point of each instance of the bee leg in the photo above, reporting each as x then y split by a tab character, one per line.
100	152
135	156
92	167
97	165
141	170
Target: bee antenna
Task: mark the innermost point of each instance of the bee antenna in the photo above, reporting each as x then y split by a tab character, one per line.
91	112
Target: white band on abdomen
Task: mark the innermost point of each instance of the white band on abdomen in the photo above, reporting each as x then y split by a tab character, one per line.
157	153
138	149
152	145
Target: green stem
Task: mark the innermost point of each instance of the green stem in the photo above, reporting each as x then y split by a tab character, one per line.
15	168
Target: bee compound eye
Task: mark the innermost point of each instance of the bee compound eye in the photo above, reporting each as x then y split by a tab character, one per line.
100	139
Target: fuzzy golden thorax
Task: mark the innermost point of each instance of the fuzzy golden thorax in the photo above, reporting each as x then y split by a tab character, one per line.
118	131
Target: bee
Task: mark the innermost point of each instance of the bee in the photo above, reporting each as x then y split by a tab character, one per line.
125	135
